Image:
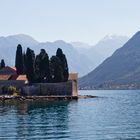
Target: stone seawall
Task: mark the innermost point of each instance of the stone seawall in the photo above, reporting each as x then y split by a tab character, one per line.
49	89
43	89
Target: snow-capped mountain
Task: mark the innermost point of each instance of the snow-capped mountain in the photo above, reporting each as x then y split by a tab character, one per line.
103	49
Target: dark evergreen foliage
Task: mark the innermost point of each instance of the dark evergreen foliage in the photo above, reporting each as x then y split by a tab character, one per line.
30	58
24	63
64	64
37	69
42	71
19	60
40	68
56	70
2	64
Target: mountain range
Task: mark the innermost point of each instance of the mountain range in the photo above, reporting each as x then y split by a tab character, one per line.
120	71
102	50
82	58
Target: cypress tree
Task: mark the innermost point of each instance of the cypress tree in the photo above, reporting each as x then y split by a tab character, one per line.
37	69
2	63
24	62
30	58
64	64
42	70
56	70
19	60
66	69
44	66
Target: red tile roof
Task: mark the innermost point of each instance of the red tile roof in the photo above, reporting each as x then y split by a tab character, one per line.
14	68
8	70
5	77
22	77
18	77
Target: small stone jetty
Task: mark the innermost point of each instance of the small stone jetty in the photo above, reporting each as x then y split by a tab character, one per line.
47	98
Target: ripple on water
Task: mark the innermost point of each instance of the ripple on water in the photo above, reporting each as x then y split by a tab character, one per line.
114	115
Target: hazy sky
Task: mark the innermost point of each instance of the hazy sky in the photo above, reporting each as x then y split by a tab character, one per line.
70	20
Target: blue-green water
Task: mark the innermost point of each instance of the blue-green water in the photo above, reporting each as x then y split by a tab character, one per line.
114	115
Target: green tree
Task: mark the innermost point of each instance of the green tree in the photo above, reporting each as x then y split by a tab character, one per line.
12	90
37	69
64	64
2	64
19	60
30	58
56	70
24	62
42	70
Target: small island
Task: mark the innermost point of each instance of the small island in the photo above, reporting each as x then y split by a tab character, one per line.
37	77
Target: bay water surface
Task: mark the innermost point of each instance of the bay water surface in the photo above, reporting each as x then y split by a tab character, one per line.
113	115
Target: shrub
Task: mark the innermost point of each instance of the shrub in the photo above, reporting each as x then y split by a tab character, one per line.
13	90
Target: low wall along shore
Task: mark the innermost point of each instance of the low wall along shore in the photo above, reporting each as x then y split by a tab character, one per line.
51	89
44	89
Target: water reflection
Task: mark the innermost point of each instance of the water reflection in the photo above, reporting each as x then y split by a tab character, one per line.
36	119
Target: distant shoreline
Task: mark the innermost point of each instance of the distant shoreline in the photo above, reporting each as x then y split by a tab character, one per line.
112	89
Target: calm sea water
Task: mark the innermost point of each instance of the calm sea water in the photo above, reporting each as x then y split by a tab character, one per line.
114	115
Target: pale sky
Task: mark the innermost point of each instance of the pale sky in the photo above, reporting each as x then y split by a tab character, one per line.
69	20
